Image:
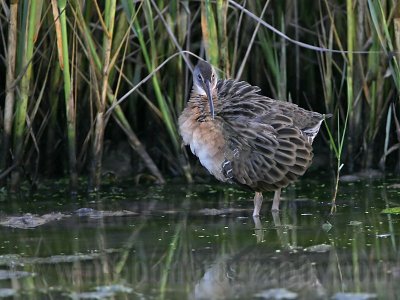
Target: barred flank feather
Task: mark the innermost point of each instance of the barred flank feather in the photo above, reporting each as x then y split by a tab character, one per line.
273	137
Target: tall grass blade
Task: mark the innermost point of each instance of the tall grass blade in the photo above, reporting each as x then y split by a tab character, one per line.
382	29
10	87
33	9
68	96
108	34
397	37
349	76
222	17
209	30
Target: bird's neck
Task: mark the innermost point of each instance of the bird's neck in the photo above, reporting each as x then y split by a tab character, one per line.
199	102
199	92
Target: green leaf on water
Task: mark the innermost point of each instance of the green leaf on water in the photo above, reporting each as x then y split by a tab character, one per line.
327	226
391	210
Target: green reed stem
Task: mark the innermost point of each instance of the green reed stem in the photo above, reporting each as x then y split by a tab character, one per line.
349	71
26	47
209	30
10	89
68	98
385	38
108	33
222	15
338	150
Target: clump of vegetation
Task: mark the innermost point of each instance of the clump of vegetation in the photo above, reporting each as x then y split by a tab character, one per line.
64	66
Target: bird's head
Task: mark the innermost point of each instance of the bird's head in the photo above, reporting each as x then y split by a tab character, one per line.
205	82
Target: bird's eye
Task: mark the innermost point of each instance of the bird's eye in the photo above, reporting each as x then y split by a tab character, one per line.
199	77
213	76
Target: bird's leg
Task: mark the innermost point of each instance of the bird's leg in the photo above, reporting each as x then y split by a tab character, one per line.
258	198
277	198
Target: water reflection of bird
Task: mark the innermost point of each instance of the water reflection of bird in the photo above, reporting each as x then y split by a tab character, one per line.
246	138
254	272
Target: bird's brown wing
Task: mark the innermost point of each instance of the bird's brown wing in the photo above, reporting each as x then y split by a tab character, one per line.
264	149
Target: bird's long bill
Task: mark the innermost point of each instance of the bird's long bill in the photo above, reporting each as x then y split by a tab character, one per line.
210	99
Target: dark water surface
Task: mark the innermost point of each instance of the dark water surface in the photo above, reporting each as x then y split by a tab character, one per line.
200	242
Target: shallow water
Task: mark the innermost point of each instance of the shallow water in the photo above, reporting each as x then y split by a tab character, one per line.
200	242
